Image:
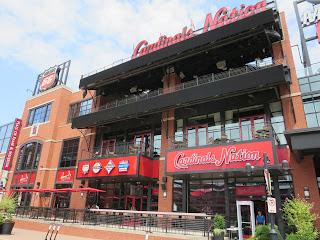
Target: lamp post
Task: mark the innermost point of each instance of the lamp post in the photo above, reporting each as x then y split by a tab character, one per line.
273	232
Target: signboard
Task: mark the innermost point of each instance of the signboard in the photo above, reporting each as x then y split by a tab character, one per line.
251	191
211	159
12	145
49	78
65	176
117	166
223	17
23	178
272	206
312	18
268	180
34	130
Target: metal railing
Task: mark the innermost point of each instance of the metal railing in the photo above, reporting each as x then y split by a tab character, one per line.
119	149
164	222
251	67
221	135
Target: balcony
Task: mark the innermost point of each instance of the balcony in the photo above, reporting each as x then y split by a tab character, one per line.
225	84
222	135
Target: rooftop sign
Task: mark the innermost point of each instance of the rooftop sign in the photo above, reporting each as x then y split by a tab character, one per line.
223	17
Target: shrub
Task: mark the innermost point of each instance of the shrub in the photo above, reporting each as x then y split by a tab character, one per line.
297	212
263	232
292	236
10	211
218	232
219	222
7	203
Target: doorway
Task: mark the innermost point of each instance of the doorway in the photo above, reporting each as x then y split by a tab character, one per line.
246	219
197	135
249	125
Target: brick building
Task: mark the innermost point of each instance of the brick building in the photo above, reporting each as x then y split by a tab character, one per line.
183	126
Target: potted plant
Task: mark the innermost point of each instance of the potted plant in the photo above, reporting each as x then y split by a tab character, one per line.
219	227
7	204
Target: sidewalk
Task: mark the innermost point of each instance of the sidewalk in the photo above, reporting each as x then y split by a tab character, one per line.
22	234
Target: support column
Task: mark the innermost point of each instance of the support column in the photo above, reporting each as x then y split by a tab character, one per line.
227	199
167	134
276	194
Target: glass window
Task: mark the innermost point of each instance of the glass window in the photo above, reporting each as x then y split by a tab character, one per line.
303	80
69	153
277	121
305	88
80	109
29	156
311	104
39	114
5	136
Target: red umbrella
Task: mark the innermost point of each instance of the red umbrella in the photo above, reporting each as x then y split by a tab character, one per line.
66	190
21	190
46	190
3	190
88	189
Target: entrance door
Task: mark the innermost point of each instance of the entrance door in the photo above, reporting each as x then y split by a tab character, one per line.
246	219
133	203
249	125
108	147
142	143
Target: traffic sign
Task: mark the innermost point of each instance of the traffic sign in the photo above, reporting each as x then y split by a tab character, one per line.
272	208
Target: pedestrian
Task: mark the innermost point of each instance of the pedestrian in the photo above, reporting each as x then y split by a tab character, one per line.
260	219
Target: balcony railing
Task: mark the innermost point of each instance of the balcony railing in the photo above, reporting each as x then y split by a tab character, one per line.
120	149
220	135
209	78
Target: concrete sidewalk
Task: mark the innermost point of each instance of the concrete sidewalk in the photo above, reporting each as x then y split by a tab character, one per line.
22	234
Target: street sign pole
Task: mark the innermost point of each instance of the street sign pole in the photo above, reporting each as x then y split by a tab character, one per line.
273	232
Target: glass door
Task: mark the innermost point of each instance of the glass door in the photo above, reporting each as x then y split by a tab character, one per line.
197	135
249	126
142	143
108	147
246	219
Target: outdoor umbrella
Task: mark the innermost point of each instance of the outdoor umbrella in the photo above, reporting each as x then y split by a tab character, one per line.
66	190
88	189
3	190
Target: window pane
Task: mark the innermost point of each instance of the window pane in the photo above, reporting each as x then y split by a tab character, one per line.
314	78
275	107
315	86
303	80
39	115
309	108
317	106
69	153
311	120
305	88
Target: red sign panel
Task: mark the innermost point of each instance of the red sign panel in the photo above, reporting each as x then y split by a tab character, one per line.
65	175
23	178
318	31
49	78
219	157
149	168
118	166
33	177
223	17
12	145
251	190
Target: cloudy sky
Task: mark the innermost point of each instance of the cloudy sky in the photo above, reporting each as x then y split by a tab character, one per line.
36	35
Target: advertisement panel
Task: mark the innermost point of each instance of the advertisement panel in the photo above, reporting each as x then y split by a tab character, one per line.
217	158
65	176
117	166
23	178
251	190
12	145
49	78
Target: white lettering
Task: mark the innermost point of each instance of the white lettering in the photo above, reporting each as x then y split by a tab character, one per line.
309	17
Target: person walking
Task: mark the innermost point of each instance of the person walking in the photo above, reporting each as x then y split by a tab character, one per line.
260	219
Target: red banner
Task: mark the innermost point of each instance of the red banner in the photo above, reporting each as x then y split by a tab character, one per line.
219	157
118	166
12	145
23	178
148	167
33	177
251	190
65	175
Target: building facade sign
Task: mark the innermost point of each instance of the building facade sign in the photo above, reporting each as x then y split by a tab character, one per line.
223	17
251	190
12	145
49	78
23	178
65	175
219	157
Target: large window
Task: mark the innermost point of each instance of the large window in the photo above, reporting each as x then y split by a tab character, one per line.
310	84
277	121
311	105
79	109
69	153
39	114
5	135
29	156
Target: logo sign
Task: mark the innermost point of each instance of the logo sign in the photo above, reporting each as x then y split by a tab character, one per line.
272	207
96	167
49	78
12	145
34	130
251	191
223	17
309	17
218	158
65	175
23	178
110	166
123	165
85	168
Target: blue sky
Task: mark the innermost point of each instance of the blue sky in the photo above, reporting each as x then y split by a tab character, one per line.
36	35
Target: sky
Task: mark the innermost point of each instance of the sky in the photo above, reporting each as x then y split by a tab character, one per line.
36	35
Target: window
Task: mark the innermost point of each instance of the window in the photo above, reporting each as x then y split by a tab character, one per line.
69	153
39	114
311	104
5	135
310	84
79	109
277	121
29	156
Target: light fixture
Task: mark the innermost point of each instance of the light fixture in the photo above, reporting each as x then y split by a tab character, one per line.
221	65
285	167
306	193
81	194
181	75
195	76
248	169
140	89
133	89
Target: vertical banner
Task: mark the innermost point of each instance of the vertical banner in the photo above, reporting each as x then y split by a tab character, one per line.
12	144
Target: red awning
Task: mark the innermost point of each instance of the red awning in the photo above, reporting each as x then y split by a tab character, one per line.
66	190
3	190
88	189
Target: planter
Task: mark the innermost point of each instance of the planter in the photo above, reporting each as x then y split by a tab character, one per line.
7	227
219	237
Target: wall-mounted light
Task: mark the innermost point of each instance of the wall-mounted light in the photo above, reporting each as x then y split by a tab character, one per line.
285	167
81	194
248	169
164	189
306	193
